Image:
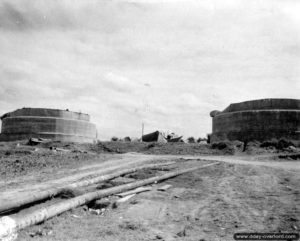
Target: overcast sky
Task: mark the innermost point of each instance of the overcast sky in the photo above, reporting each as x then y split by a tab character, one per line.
164	63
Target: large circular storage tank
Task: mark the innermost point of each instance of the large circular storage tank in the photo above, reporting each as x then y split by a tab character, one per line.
257	120
52	124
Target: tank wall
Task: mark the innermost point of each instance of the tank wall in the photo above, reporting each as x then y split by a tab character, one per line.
62	125
256	125
265	104
40	112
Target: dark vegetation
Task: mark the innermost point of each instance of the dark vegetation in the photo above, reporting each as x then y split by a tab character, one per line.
278	144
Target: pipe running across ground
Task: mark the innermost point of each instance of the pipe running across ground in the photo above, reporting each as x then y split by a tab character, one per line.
9	225
42	195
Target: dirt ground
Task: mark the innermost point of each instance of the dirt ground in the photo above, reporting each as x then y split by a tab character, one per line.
19	159
245	193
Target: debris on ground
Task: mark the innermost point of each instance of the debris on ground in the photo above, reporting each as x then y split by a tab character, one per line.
164	187
126	198
59	149
95	211
182	233
161	137
135	191
36	141
40	233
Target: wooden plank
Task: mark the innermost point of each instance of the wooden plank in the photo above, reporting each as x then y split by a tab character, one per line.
135	191
124	199
164	188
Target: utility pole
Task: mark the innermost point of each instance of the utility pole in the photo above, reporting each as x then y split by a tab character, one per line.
142	131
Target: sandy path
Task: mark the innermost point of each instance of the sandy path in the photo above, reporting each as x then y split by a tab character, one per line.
243	160
286	165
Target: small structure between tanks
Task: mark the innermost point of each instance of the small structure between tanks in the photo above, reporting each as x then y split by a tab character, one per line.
259	120
62	125
160	136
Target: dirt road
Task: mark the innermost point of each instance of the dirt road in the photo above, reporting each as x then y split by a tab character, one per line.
241	160
29	186
252	160
244	193
32	184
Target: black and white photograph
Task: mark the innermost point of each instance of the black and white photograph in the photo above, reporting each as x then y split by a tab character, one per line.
149	120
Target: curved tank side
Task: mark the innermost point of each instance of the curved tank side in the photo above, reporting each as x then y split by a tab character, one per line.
258	120
54	124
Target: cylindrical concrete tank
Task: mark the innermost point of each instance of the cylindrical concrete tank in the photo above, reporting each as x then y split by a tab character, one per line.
258	120
52	124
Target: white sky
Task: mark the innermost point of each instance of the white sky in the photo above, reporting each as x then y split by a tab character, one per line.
165	63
